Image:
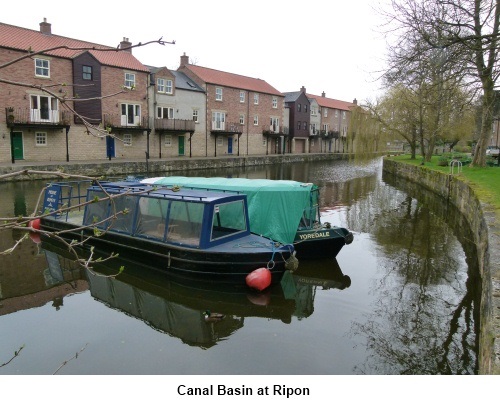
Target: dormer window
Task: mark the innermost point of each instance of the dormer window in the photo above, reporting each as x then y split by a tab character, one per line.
42	67
164	86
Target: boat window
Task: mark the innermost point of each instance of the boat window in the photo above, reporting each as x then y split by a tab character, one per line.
185	222
228	219
151	214
123	212
98	211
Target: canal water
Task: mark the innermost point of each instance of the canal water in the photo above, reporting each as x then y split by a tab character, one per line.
403	298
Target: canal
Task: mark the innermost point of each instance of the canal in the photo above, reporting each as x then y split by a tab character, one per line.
403	298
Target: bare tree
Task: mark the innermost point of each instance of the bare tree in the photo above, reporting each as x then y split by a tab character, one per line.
460	38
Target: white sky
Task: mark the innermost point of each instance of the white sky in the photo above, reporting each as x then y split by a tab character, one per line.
325	45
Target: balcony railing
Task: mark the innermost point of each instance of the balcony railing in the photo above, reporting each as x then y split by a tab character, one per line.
227	127
329	134
124	121
27	116
174	125
274	130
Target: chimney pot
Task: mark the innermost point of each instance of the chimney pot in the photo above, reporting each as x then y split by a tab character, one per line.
45	27
184	59
126	44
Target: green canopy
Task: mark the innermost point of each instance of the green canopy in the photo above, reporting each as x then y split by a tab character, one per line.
275	207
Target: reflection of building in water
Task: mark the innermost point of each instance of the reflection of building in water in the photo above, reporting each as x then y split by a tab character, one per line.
26	281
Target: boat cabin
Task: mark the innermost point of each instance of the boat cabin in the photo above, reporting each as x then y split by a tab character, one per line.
191	218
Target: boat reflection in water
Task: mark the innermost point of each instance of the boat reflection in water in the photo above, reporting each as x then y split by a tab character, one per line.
178	308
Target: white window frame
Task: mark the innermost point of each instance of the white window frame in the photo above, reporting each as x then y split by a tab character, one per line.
274	124
218	93
126	118
242	119
41	139
169	86
255	120
160	85
242	96
196	115
129	80
275	102
218	120
168	141
256	98
325	112
42	67
165	112
44	108
127	140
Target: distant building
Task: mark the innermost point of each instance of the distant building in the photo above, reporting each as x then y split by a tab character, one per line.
298	105
178	108
244	115
334	122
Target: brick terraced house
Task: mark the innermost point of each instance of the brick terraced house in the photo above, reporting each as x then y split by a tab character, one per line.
35	121
52	86
244	115
334	123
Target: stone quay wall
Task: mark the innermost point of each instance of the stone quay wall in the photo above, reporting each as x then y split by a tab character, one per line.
123	167
485	229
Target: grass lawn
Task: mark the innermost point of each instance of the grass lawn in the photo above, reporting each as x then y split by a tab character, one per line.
484	180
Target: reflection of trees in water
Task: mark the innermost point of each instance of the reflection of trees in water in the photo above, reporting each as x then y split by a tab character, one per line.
425	314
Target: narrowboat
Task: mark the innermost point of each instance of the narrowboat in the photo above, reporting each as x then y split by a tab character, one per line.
191	233
285	211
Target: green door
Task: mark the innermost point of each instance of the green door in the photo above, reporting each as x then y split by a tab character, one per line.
181	146
17	145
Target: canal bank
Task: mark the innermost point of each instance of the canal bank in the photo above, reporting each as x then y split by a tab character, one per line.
122	167
485	231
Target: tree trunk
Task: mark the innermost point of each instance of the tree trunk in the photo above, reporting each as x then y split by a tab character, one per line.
486	125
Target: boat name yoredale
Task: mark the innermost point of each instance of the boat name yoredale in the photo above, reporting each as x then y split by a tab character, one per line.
315	235
222	390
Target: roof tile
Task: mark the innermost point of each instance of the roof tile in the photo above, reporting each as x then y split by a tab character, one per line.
233	80
24	39
332	103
